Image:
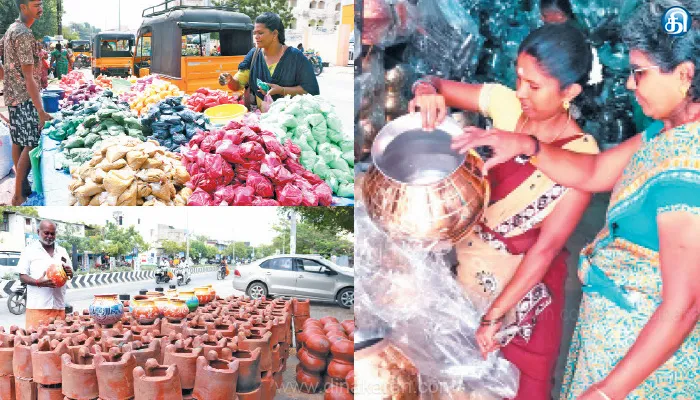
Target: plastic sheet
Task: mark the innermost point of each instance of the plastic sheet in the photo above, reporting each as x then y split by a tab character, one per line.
387	22
435	330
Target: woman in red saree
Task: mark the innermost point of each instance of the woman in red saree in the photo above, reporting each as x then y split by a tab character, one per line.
514	263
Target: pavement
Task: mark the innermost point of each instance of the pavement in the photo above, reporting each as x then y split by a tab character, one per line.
80	299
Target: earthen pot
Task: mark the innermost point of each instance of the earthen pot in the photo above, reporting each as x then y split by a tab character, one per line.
326	320
312	322
7	387
301	307
7	349
343	350
144	310
328	381
248	369
350	380
311	362
115	378
202	294
46	362
333	326
216	379
161	304
186	361
144	351
26	390
106	309
79	376
335	392
348	325
299	322
156	381
56	274
176	311
53	392
258	342
317	344
308	382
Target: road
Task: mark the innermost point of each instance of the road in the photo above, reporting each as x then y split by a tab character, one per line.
81	298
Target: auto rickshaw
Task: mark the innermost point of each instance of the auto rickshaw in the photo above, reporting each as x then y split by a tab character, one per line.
113	55
178	44
82	53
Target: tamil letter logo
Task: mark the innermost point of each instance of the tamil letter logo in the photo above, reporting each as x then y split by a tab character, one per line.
676	21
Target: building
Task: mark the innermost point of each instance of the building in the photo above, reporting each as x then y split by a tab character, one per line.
324	26
315	13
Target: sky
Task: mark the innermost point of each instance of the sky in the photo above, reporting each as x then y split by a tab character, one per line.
242	224
105	16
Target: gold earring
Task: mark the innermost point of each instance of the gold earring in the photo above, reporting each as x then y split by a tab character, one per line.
684	91
566	104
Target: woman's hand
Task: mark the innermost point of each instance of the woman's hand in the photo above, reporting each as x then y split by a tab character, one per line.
275	90
432	108
505	145
486	339
225	79
594	393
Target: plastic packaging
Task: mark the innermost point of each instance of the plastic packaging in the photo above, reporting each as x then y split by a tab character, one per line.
436	329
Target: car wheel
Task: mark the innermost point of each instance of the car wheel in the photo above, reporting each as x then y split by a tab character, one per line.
346	298
257	290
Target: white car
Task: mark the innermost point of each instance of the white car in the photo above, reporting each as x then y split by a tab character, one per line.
297	275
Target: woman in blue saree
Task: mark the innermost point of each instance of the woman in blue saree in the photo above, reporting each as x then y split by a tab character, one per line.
637	336
285	69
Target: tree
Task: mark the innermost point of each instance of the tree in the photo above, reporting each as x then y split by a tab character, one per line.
241	249
28	211
341	219
122	241
171	248
70	34
253	8
47	25
312	240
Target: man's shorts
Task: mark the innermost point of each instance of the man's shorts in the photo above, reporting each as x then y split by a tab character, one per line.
24	124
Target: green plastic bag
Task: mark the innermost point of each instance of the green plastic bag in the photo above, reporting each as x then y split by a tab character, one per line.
91	139
308	159
35	159
328	152
346	190
335	136
343	176
55	134
74	142
314	119
322	170
347	145
320	132
333	183
287	120
349	157
90	121
340	164
334	123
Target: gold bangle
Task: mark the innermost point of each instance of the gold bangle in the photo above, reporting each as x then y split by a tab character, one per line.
602	393
533	160
283	92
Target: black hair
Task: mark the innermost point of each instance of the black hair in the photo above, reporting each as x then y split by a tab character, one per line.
564	53
273	22
59	47
643	32
20	2
563	6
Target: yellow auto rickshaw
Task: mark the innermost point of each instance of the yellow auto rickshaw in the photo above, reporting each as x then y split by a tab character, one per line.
191	46
82	53
113	53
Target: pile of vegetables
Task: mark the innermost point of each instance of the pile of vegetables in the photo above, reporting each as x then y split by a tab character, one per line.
243	165
104	81
171	124
312	124
128	172
72	79
80	94
155	92
137	87
206	98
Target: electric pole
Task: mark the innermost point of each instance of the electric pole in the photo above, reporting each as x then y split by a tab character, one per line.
59	16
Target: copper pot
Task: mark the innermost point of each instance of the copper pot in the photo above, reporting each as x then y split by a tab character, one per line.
418	188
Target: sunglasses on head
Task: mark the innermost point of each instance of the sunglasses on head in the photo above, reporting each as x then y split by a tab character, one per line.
638	73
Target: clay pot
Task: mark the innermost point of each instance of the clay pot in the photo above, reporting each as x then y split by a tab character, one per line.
267	386
171	293
308	382
350	380
142	352
7	387
144	311
276	358
310	362
7	348
79	376
176	310
157	381
190	299
248	369
258	342
46	362
114	378
336	336
333	326
49	392
339	369
312	322
317	344
22	360
186	361
162	304
301	307
299	322
154	294
56	274
202	294
348	325
106	309
219	327
212	292
326	320
329	381
343	350
216	379
335	392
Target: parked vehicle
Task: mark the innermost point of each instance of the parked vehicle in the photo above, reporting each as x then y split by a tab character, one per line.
113	54
316	61
307	276
17	302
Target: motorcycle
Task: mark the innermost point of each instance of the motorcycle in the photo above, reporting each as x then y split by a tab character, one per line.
223	272
316	62
183	276
17	302
81	61
163	275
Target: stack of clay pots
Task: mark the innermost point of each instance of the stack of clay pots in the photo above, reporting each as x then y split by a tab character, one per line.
326	357
226	348
301	309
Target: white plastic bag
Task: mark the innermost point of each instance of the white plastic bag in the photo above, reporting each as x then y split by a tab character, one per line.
5	150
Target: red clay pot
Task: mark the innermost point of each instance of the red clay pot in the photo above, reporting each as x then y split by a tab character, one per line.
258	342
248	369
157	382
333	326
301	307
115	378
79	376
350	380
339	369
46	362
26	390
328	319
7	387
216	379
308	382
186	361
329	381
337	393
348	325
143	351
310	362
22	360
317	344
343	350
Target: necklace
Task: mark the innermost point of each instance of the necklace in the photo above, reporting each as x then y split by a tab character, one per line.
566	128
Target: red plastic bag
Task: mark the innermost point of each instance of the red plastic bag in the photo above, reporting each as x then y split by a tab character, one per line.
234	136
289	195
243	196
219	169
272	160
208	144
230	152
309	198
273	146
312	178
250	135
252	151
324	194
203	182
292	148
197	139
265	202
260	184
295	167
225	193
201	158
255	128
233	125
199	198
302	183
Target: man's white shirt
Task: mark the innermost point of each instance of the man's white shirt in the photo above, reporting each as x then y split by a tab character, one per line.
34	261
